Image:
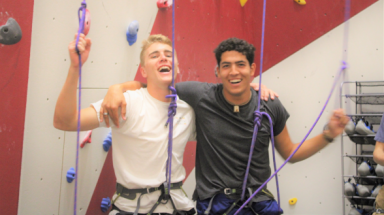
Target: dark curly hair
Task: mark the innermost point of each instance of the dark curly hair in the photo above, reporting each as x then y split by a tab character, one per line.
235	44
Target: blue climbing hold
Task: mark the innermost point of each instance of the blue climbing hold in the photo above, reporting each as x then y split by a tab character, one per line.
105	204
71	174
10	33
132	30
107	143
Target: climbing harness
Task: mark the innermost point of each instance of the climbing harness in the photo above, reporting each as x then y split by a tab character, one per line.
236	192
130	194
258	117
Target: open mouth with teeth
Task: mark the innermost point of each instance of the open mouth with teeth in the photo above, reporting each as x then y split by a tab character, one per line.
164	69
235	81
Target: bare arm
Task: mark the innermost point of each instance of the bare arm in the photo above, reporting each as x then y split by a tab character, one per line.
286	147
378	153
65	116
115	100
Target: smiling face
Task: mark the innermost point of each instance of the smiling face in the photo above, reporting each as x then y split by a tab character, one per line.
236	75
157	65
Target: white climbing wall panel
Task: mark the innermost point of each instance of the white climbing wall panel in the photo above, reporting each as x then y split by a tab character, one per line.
48	153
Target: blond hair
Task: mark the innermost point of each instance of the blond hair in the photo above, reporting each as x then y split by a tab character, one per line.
156	38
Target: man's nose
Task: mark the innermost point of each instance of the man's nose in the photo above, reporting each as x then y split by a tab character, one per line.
233	70
163	57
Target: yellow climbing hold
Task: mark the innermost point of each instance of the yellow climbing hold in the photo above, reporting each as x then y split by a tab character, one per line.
242	2
292	201
300	2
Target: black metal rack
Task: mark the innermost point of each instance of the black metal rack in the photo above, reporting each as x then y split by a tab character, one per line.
370	107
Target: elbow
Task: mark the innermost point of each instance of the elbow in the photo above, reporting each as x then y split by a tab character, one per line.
292	161
378	158
58	123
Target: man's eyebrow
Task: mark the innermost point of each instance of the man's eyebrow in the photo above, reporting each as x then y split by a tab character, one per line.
240	61
155	52
226	62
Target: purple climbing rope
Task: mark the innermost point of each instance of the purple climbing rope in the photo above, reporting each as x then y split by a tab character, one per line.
172	106
341	70
257	121
81	29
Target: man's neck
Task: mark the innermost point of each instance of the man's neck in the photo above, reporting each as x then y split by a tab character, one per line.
237	100
159	92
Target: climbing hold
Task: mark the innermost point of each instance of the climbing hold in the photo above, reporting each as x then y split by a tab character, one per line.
132	30
87	139
292	201
87	22
242	2
71	174
10	33
105	204
107	143
164	3
300	2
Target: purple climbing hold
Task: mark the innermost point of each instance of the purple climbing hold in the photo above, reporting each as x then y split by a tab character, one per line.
132	30
10	33
71	175
105	204
107	143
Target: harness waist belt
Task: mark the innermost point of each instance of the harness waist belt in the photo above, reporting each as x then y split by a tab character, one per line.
238	191
131	193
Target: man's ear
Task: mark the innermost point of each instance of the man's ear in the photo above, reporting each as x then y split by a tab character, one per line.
253	69
143	72
178	68
217	71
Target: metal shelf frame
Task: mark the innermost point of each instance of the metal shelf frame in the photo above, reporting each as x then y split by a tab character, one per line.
360	99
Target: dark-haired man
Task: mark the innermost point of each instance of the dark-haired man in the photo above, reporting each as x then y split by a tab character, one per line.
224	125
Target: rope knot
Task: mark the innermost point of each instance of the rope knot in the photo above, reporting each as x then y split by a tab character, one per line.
258	116
172	106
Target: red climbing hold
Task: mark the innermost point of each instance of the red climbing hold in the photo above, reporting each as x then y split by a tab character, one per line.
87	139
87	22
164	3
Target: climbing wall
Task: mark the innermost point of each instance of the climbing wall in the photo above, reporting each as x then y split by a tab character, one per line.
14	67
303	50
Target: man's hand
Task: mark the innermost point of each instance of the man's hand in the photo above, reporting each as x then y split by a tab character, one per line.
265	92
84	47
111	103
336	123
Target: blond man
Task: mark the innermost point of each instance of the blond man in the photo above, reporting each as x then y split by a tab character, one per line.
140	142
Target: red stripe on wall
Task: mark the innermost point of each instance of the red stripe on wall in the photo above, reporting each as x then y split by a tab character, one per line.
14	68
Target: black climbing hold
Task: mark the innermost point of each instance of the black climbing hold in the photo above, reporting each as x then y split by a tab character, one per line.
10	33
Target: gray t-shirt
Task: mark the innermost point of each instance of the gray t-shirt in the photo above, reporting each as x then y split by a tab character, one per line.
224	138
380	133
